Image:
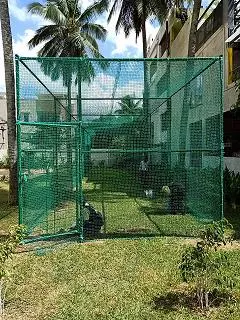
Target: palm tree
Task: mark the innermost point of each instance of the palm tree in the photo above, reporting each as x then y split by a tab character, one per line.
128	106
10	93
133	15
71	31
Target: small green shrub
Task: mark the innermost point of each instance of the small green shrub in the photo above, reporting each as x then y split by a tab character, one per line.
204	267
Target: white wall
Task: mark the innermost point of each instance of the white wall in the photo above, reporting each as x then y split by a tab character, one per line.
232	163
103	155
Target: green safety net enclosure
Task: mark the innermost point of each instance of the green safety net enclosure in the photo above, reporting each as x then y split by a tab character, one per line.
119	147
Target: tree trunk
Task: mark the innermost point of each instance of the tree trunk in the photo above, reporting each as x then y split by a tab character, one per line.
193	28
10	93
147	126
144	35
189	72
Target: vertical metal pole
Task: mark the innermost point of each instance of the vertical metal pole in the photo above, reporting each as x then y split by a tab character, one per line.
79	154
222	81
169	109
46	186
146	112
19	150
103	208
55	173
69	119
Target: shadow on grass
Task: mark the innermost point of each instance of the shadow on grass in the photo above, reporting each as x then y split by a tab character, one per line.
172	301
42	246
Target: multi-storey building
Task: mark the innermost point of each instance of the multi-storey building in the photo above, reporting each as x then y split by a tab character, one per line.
218	34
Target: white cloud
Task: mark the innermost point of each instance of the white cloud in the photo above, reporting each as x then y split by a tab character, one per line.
103	87
17	12
122	45
21	13
20	47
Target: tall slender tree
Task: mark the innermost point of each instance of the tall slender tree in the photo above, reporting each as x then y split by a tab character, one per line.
10	93
71	32
189	72
193	28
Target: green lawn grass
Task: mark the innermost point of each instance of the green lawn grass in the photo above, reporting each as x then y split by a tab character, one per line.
106	279
8	215
119	194
50	207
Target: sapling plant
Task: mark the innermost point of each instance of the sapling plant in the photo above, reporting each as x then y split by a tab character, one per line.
204	265
7	249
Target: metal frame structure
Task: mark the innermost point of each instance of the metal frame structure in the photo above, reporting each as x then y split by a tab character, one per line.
74	128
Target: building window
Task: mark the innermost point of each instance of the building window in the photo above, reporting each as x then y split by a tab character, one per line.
165	120
165	155
196	144
44	116
213	135
196	91
236	62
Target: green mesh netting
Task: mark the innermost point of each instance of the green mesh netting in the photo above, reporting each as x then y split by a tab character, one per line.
119	147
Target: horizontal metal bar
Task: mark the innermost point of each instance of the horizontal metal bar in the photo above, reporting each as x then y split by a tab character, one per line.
195	76
111	115
116	59
49	124
157	149
120	98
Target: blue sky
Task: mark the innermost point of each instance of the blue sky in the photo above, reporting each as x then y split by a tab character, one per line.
24	24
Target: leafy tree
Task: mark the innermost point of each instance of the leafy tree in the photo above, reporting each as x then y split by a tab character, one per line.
10	93
71	32
204	267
